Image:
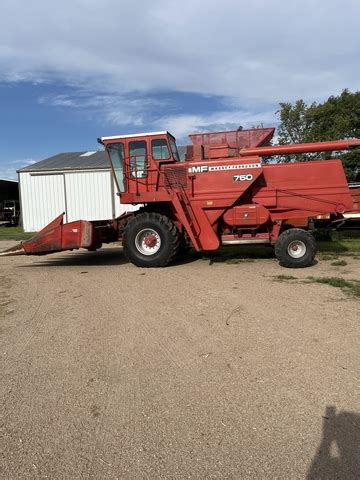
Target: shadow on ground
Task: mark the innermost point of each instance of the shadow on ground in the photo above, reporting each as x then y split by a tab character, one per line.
102	257
107	256
338	455
237	254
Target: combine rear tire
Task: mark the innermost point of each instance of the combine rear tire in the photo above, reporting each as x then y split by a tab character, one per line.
151	240
295	248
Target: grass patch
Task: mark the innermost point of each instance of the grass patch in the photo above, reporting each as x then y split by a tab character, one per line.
339	246
282	278
342	242
326	257
339	263
13	233
349	286
235	261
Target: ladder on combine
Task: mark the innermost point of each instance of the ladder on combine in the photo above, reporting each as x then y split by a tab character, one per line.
184	208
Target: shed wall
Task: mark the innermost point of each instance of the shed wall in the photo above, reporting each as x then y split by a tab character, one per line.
42	199
81	195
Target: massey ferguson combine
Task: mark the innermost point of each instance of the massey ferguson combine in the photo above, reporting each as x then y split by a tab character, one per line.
223	194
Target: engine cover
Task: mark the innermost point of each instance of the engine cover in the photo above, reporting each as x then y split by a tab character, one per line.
246	215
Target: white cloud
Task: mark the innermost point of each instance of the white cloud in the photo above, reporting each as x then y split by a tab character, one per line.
8	169
116	56
139	110
182	125
259	51
115	109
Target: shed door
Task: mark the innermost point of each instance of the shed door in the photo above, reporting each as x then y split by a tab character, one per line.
42	199
89	196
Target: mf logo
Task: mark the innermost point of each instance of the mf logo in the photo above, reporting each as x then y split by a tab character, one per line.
199	169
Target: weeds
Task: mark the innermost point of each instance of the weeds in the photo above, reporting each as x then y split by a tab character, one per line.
282	278
339	263
326	257
235	261
349	286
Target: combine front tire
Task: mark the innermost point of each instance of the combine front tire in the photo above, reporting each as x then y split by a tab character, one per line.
295	248
151	240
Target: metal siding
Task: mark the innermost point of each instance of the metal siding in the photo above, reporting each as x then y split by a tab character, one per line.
88	196
42	199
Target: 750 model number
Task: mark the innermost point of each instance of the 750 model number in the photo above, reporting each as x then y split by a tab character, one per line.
243	178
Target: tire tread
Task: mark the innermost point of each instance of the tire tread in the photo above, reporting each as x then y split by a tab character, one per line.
172	234
281	248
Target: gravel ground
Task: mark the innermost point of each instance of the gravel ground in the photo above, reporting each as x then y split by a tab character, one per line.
199	370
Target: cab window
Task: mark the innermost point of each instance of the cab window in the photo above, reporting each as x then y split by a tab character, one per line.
174	150
138	161
116	151
160	149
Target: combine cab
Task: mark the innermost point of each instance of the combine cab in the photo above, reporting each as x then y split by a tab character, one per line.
222	195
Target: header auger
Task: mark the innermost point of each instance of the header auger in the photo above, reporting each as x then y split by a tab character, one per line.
221	195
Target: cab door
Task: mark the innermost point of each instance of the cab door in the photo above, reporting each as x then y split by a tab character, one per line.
117	157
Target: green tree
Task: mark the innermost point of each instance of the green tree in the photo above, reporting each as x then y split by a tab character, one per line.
337	118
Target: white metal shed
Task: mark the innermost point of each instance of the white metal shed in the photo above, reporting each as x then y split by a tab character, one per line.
78	183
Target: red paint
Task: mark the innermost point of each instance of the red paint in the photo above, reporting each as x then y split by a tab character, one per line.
301	148
222	193
355	193
56	237
150	241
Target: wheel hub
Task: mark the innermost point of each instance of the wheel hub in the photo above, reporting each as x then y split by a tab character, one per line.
296	249
148	241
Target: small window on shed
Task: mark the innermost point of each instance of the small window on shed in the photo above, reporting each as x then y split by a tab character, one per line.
160	149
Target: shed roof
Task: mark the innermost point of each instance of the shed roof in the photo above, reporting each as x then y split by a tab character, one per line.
77	161
70	161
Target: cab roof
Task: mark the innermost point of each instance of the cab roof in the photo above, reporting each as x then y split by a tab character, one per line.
133	135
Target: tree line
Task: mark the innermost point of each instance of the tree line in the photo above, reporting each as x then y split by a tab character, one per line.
336	118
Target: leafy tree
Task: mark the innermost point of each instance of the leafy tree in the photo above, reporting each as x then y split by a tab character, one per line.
337	118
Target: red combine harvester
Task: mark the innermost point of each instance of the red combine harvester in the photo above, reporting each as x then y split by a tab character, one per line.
221	195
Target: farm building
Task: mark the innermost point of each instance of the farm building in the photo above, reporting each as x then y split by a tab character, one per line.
78	183
9	201
9	190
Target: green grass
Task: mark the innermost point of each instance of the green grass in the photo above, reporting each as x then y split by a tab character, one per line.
351	287
343	247
348	286
235	261
339	263
282	278
346	242
326	257
13	233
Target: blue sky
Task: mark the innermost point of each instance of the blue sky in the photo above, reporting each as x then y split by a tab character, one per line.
79	69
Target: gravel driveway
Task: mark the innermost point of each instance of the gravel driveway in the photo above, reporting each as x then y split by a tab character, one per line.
198	370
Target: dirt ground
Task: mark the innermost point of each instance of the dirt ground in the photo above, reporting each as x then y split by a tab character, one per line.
198	370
